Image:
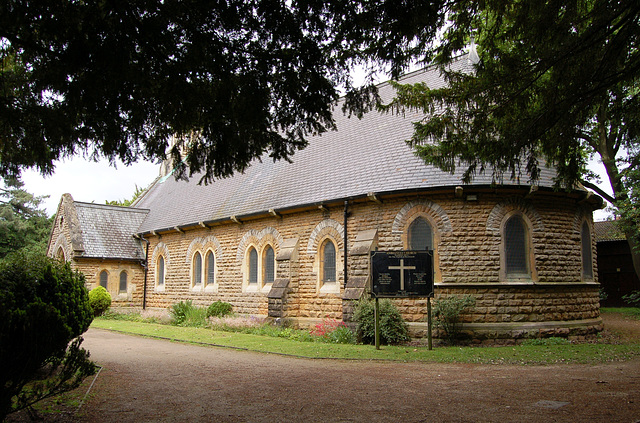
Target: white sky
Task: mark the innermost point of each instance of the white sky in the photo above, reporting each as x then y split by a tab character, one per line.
98	182
89	182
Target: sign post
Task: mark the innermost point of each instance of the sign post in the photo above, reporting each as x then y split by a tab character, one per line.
402	274
376	311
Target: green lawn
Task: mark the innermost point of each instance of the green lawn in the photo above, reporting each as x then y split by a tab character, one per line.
522	354
626	311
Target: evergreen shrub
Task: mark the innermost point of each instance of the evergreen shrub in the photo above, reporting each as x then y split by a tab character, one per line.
99	300
44	305
393	328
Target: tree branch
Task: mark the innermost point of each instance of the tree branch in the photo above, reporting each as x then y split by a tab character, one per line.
588	138
633	164
598	191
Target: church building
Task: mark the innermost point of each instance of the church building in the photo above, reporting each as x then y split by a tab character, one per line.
294	240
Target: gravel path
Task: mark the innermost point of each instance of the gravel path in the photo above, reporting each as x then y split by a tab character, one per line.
145	380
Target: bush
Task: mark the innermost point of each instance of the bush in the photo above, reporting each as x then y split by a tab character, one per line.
43	307
603	294
393	328
219	309
99	300
632	299
446	312
185	313
178	312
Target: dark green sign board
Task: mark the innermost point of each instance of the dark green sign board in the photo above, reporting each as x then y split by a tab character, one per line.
402	273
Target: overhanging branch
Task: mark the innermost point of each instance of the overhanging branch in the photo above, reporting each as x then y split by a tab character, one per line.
598	191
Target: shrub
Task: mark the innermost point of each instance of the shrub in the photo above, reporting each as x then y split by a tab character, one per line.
185	313
99	300
43	307
195	317
632	299
393	328
446	312
219	309
179	311
603	294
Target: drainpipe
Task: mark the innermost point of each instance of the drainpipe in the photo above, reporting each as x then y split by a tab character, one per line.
346	214
146	270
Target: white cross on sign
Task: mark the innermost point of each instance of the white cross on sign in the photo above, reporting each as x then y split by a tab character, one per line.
402	268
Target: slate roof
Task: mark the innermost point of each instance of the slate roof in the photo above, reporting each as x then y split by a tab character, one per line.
107	231
607	231
362	156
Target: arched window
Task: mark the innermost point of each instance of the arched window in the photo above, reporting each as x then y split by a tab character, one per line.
269	265
587	259
160	271
420	235
60	254
211	268
197	269
104	279
328	256
253	266
123	281
516	249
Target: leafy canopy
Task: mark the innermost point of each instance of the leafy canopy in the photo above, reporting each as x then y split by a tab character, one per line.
551	77
221	83
553	83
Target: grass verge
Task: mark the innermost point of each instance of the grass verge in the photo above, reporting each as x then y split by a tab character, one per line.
588	353
625	311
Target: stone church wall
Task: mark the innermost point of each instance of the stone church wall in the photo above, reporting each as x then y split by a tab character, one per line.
135	279
66	244
467	261
555	299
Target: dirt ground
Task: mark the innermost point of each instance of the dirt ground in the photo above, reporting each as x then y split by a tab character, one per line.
146	380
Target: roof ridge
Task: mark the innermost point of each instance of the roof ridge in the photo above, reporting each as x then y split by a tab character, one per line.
111	206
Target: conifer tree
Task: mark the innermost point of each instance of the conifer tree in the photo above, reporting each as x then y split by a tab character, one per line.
221	82
554	83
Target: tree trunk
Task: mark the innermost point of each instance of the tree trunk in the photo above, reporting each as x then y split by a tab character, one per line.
605	146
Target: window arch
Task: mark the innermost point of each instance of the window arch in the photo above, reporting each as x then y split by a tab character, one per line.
60	254
587	258
123	282
515	237
160	271
210	264
328	261
196	269
104	279
420	235
421	229
269	263
253	266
